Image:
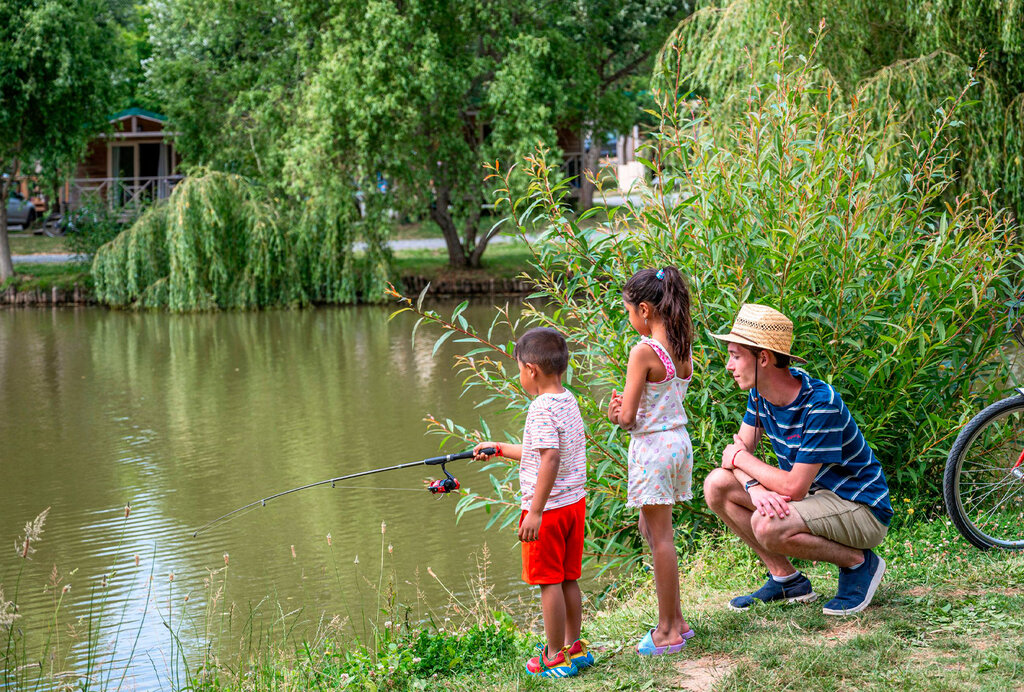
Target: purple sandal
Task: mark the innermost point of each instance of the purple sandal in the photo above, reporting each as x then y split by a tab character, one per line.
646	647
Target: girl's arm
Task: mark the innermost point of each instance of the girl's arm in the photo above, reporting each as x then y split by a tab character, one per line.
641	359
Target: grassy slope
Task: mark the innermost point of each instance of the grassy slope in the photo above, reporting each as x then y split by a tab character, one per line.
947	617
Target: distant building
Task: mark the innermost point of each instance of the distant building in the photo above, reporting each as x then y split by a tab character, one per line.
134	163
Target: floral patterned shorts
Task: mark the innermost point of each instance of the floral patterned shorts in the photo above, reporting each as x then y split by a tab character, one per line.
660	468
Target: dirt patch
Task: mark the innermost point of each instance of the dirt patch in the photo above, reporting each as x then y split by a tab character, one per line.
702	674
844	632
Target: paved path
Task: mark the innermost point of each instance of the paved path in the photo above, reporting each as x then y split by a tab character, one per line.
406	244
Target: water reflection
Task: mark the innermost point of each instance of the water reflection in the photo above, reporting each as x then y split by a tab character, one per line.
186	417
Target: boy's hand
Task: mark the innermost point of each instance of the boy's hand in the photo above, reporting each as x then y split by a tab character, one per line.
529	530
479	455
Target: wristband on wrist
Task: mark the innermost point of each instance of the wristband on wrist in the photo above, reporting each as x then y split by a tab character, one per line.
732	462
497	450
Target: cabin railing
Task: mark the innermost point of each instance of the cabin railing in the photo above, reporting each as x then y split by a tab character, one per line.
119	192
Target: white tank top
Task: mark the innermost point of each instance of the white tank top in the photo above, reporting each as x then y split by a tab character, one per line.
661	403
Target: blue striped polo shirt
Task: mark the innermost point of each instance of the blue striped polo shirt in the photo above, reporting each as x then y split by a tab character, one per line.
817	428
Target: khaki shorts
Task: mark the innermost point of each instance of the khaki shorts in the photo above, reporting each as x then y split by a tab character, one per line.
850	523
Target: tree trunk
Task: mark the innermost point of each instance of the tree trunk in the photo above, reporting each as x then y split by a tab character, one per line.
442	216
590	163
6	265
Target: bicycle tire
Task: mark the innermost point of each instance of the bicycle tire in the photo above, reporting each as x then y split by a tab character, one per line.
953	478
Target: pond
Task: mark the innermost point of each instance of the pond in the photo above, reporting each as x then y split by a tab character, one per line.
186	417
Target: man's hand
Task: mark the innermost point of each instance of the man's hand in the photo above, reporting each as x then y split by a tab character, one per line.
730	452
529	530
769	503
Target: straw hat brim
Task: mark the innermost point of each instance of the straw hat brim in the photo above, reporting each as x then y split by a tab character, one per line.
737	339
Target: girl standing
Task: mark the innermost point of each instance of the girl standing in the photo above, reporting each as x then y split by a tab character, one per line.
660	455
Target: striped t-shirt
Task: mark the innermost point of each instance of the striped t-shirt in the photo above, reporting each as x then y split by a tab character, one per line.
817	428
554	422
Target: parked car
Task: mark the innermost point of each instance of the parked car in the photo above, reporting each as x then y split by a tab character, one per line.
20	211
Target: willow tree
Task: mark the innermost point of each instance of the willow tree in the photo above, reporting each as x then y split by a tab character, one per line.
898	58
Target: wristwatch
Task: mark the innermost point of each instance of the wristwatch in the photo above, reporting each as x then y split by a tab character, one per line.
750	484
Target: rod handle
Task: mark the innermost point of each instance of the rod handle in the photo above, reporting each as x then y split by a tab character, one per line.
434	461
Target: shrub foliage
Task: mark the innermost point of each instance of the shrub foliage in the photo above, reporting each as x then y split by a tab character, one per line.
897	289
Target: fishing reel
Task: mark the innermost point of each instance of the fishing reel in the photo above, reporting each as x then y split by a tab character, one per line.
445	485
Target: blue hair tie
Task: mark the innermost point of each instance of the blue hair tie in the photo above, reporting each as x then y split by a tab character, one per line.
660	274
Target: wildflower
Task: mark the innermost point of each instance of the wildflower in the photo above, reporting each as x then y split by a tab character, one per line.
225	559
171	577
293	552
383	527
357	559
416	659
387	625
391	548
910	511
127	510
33	530
329	540
136	559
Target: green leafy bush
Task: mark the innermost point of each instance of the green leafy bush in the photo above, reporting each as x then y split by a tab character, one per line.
798	202
406	660
94	224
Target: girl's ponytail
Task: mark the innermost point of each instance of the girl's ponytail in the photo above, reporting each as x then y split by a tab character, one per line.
667	291
675	310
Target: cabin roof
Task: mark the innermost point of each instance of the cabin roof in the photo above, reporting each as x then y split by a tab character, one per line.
137	112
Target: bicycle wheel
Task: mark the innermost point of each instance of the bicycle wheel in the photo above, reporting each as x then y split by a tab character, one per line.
983	485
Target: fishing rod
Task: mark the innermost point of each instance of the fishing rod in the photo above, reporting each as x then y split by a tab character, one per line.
443	485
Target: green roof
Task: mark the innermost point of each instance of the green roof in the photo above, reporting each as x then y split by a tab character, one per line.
137	111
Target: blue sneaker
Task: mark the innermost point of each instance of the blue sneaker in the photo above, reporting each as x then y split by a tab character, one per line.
796	591
856	586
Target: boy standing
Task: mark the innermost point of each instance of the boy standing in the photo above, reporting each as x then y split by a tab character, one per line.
552	473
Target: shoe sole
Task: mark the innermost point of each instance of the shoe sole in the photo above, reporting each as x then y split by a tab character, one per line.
872	587
806	598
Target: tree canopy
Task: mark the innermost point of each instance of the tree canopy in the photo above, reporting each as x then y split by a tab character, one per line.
902	60
322	100
58	65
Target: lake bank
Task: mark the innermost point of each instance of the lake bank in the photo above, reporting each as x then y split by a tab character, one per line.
70	284
946	617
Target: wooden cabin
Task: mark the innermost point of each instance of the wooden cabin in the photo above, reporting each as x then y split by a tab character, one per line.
135	162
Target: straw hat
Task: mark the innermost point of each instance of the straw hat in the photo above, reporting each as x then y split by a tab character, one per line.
763	327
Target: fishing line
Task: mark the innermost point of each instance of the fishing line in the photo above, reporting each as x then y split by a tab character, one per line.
442	486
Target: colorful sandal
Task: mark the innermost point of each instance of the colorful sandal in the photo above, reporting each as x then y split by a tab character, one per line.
580	655
558	667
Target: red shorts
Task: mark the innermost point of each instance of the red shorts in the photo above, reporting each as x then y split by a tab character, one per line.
557	554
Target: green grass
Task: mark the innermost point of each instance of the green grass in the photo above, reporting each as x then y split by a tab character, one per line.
505	260
947	617
28	244
29	277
